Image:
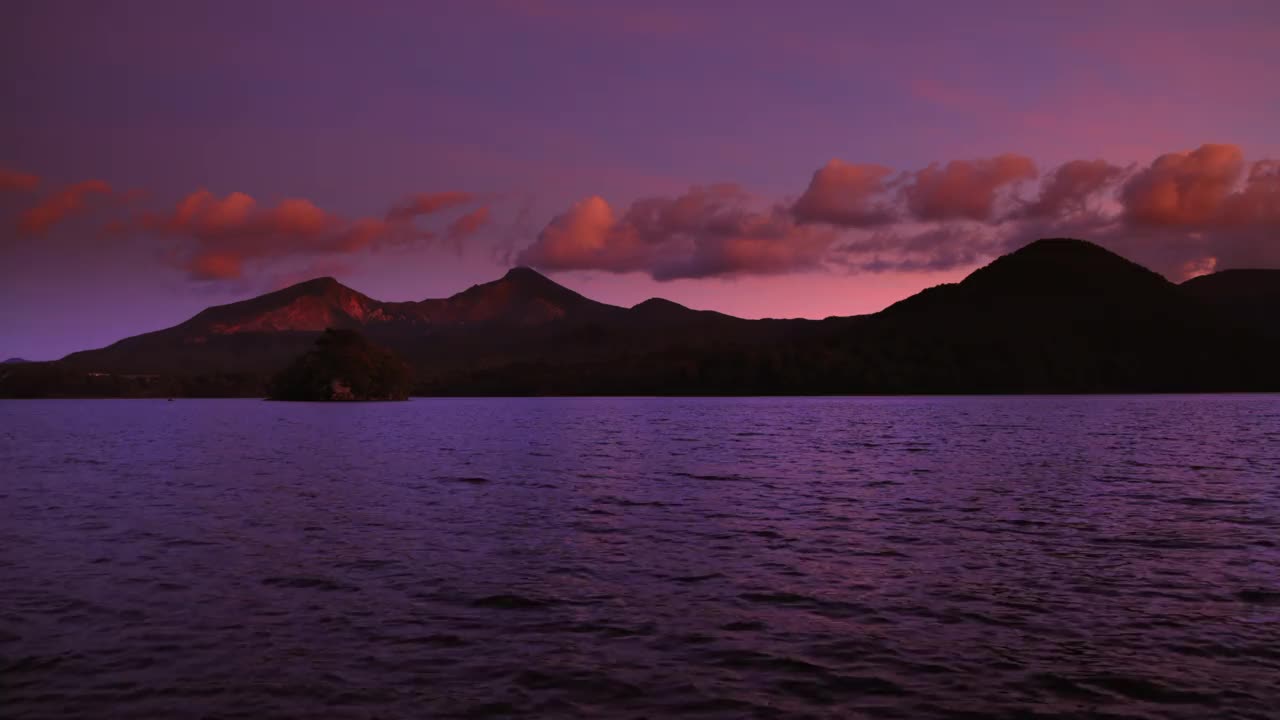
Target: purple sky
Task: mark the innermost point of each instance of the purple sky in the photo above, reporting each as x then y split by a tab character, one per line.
330	114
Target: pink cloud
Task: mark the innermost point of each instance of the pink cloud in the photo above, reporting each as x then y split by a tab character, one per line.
1183	212
428	203
469	224
17	181
964	189
215	266
842	193
1184	188
224	234
59	206
585	237
220	238
706	231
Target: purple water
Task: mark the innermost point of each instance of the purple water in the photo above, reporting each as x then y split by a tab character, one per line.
1045	557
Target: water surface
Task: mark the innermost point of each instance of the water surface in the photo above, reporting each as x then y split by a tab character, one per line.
898	557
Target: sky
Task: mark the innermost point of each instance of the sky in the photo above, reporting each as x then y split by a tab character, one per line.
764	159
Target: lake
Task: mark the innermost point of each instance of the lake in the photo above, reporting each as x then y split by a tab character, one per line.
953	557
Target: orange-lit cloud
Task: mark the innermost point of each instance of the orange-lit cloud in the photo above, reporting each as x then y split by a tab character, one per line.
215	266
706	231
964	189
845	194
231	236
59	206
224	234
1182	213
1183	189
1179	214
428	203
17	181
469	224
225	237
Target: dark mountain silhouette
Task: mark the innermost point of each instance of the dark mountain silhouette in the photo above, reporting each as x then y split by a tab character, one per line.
13	361
1250	297
1056	316
1047	272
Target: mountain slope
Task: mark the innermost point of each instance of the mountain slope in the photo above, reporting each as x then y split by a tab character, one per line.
245	336
1250	297
521	297
262	334
1053	272
1061	315
309	306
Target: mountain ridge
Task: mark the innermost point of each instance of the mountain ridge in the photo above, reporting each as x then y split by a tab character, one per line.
1058	315
1250	296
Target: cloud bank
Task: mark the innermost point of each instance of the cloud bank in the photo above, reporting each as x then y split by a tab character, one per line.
67	202
220	236
216	238
706	231
1180	214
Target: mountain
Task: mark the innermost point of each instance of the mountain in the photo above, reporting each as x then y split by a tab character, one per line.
522	297
13	361
262	333
1058	315
1252	297
1046	272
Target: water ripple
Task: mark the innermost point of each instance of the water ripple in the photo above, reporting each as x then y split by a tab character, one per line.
1055	557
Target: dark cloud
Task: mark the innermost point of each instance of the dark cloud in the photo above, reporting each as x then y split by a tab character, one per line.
1258	203
926	249
1070	187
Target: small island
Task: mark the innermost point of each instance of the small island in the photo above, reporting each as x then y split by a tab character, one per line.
343	366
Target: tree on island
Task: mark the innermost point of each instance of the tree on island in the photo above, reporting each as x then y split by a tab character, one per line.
343	365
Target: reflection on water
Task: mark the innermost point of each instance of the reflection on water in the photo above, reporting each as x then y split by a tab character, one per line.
898	557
